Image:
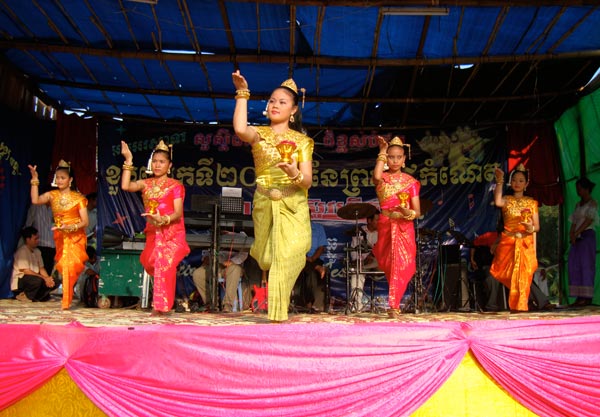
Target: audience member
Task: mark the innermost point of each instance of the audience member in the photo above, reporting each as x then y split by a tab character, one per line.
230	269
582	236
91	270
311	279
367	238
40	217
30	280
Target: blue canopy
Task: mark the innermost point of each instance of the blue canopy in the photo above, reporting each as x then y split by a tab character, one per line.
362	66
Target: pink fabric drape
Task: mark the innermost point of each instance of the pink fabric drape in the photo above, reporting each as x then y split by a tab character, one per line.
552	367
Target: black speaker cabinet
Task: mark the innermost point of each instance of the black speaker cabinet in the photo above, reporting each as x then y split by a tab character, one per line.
449	287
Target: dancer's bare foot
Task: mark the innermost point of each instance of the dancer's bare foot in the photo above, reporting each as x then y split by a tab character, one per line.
394	313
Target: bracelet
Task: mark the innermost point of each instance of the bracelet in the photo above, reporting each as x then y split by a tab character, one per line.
242	93
381	158
34	182
411	216
295	177
167	221
298	178
382	153
127	167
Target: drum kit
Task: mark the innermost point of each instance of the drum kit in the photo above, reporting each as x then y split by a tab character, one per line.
356	211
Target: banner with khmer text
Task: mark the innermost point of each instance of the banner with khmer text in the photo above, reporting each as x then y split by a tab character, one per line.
455	168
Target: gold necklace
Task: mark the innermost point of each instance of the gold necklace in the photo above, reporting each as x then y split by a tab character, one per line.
63	201
157	185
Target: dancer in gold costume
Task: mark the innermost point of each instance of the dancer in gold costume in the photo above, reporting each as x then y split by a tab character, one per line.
515	256
69	208
283	164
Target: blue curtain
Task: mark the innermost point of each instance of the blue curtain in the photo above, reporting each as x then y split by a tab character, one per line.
23	140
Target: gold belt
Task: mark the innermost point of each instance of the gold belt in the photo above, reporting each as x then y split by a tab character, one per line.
276	194
393	214
518	235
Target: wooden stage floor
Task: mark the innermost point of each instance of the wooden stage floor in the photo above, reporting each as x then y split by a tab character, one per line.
13	311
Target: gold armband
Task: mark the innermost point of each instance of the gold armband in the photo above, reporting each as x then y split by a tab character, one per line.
34	182
382	158
242	93
127	167
298	178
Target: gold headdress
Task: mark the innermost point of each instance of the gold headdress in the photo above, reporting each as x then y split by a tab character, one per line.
162	146
61	165
291	84
397	141
519	168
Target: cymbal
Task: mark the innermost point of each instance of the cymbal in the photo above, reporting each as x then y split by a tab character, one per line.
355	211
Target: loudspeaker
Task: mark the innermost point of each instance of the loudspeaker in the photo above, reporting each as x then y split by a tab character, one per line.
450	284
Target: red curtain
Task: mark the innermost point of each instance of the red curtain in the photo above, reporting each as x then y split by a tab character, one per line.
535	146
76	143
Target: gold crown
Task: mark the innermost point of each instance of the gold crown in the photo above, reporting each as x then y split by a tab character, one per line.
162	146
289	83
397	141
63	164
521	167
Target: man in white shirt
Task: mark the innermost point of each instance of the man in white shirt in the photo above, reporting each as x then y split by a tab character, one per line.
30	280
367	238
39	216
230	269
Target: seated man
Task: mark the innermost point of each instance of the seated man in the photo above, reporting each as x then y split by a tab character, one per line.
366	239
313	275
30	280
230	268
90	272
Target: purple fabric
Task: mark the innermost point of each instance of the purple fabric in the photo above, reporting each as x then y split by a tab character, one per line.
582	265
386	369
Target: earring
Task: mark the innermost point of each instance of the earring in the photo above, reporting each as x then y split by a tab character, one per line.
169	171
292	118
403	165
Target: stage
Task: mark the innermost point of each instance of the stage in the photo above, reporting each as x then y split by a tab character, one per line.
123	362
